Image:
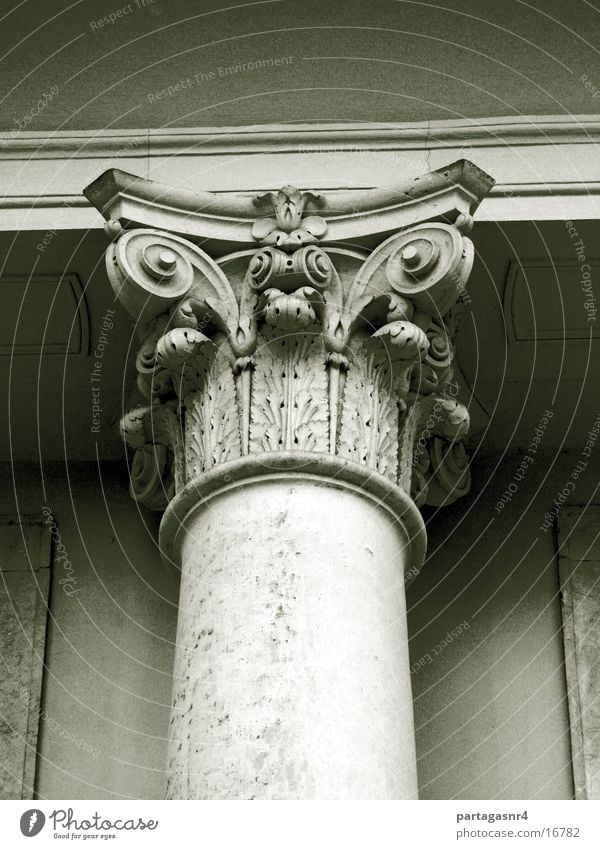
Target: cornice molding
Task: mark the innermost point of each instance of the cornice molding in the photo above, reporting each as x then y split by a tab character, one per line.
546	166
299	138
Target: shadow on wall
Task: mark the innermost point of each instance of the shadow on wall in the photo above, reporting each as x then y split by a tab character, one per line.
486	641
109	651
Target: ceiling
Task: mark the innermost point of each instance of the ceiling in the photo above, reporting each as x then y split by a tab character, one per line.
52	323
346	60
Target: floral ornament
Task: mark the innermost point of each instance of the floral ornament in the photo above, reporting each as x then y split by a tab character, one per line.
288	230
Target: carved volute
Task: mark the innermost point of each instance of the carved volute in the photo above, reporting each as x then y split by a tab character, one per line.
296	344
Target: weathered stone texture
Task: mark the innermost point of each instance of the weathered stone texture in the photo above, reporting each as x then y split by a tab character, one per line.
24	576
580	589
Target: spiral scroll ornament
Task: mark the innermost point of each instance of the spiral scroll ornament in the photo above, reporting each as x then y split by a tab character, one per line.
450	473
430	264
148	271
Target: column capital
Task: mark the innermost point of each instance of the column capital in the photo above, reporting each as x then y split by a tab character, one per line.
329	329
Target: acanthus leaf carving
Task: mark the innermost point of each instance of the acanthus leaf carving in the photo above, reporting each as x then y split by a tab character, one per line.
211	410
371	411
403	341
289	394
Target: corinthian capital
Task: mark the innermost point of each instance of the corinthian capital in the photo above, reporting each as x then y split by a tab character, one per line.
297	342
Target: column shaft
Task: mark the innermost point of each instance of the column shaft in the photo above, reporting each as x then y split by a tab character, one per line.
292	674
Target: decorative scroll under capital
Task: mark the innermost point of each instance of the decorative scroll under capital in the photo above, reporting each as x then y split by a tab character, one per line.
296	345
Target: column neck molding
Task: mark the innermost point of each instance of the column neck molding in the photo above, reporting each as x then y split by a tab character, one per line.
295	466
309	342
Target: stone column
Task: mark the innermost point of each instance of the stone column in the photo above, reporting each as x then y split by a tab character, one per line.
297	393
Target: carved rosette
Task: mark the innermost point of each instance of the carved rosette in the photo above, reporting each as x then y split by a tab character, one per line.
296	345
